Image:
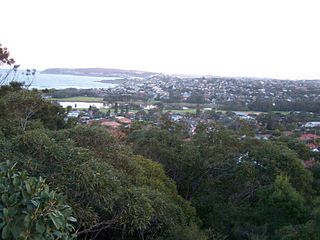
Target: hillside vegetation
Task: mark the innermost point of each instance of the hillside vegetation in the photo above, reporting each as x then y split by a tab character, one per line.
60	180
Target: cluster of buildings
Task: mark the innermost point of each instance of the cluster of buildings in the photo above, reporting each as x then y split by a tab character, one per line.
214	92
218	90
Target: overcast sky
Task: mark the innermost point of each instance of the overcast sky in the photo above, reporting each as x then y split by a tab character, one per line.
262	38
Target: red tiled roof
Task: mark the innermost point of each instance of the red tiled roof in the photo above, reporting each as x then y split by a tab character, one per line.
307	137
124	120
115	132
309	163
110	124
91	122
104	122
311	145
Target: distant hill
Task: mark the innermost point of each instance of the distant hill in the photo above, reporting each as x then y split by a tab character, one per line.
100	72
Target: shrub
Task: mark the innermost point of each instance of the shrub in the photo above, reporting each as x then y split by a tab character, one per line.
29	210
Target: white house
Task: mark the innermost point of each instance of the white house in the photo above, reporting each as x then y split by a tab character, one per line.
312	124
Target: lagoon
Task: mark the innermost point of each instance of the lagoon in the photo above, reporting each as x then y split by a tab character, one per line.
80	105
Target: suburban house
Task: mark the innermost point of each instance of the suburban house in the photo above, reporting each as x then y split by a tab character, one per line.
104	122
73	114
311	140
123	120
308	138
312	124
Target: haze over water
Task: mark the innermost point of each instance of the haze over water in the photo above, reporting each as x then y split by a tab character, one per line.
60	81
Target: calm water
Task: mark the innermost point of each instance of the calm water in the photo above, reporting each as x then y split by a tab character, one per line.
82	104
59	81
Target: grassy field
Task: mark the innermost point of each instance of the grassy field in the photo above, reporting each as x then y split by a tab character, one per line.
282	112
190	110
78	99
191	106
193	111
153	102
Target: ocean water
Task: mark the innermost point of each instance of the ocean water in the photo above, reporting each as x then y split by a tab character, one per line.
57	81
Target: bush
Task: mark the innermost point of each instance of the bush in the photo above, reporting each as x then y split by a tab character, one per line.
29	210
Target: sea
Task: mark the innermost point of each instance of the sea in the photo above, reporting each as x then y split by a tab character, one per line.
57	81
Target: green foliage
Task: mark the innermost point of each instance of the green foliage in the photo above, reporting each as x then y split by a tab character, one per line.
272	159
29	210
138	210
158	184
281	204
21	107
189	232
130	193
300	148
224	178
5	56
